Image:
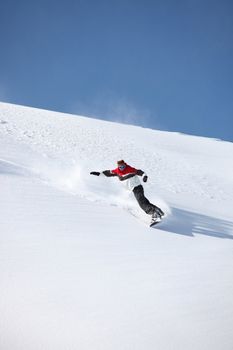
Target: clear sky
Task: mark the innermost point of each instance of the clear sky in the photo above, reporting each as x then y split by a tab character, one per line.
165	64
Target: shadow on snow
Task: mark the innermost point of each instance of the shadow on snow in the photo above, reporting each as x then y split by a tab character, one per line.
188	223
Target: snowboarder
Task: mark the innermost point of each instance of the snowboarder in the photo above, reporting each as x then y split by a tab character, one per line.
130	177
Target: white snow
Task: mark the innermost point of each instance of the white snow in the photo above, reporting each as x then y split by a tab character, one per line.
79	266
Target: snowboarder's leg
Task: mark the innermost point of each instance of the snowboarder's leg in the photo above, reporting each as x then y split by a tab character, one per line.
148	207
159	211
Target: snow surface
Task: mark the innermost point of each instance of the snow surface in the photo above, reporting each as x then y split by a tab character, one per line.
79	266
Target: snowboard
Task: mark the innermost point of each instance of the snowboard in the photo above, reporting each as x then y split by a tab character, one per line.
155	222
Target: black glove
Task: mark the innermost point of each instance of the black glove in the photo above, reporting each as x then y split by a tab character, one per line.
145	178
96	173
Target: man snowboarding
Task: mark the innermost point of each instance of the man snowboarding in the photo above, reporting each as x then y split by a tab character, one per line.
129	176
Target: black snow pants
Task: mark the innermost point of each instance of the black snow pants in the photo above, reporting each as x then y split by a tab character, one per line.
148	207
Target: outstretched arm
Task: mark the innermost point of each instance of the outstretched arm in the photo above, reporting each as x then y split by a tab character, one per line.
107	173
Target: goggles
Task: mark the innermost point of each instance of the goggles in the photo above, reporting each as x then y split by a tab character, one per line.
122	166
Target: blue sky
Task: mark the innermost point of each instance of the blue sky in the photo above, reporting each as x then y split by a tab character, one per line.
159	64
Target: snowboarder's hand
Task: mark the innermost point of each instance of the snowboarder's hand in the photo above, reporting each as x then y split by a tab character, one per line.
145	178
96	173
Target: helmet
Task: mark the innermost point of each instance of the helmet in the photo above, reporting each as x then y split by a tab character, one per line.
119	162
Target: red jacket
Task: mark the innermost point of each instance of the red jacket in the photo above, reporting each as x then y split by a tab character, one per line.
128	176
128	170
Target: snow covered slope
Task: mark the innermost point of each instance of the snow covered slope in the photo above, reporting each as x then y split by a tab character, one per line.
79	266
